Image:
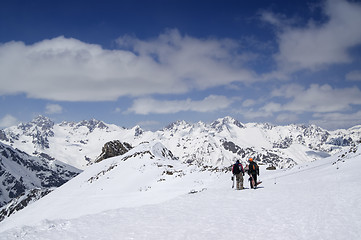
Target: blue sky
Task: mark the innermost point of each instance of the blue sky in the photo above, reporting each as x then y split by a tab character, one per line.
150	63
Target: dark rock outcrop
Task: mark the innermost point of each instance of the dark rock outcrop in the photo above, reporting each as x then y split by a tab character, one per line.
113	149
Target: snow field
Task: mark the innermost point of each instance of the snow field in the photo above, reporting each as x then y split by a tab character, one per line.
311	201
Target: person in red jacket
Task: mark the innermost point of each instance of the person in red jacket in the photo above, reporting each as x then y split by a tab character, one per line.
238	171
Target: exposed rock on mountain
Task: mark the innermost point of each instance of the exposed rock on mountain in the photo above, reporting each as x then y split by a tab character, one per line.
225	123
92	124
154	151
23	201
20	172
112	149
267	157
40	129
3	136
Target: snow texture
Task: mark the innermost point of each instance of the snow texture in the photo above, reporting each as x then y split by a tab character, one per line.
148	194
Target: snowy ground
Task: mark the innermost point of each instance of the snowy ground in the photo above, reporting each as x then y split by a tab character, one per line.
319	200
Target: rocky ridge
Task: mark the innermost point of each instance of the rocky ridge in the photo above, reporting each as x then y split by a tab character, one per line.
113	149
20	172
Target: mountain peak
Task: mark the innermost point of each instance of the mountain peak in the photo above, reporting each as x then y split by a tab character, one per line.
138	131
42	122
176	124
226	121
92	124
40	128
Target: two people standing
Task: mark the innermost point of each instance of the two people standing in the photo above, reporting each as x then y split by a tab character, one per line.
252	169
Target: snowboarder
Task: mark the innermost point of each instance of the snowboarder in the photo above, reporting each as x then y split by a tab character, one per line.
253	172
238	171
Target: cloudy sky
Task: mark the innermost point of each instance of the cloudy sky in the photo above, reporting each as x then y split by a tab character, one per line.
153	62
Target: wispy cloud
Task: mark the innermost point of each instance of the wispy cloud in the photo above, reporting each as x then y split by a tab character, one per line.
209	104
148	124
117	110
318	45
354	76
249	103
336	120
53	109
8	121
286	118
326	104
319	98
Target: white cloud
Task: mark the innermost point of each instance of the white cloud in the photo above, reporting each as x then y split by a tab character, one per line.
146	124
53	109
272	107
288	91
330	107
316	98
354	76
67	69
336	120
248	103
266	111
209	104
286	118
8	121
319	45
323	99
252	114
118	110
196	63
278	20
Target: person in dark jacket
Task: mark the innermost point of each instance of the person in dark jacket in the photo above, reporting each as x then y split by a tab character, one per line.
253	172
238	171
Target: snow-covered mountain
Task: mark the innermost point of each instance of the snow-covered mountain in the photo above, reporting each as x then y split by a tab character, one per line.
146	171
216	144
148	193
20	172
22	201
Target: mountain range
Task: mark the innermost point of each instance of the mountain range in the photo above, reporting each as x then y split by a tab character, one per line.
217	144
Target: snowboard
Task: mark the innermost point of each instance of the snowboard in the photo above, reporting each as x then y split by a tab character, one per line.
253	182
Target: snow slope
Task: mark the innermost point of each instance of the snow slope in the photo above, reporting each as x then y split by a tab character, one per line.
145	172
147	194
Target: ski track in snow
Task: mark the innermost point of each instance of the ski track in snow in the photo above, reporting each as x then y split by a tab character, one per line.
311	201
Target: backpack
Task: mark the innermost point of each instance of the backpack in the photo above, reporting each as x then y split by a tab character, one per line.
235	169
253	168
